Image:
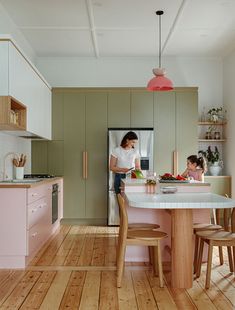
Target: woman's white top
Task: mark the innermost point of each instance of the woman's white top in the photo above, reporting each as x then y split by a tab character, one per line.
125	157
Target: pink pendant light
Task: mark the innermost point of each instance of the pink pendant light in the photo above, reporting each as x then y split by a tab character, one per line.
159	82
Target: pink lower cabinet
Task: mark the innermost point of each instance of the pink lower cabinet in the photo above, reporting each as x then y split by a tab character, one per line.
25	222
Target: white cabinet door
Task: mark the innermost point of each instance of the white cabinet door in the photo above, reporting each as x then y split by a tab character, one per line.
4	68
26	86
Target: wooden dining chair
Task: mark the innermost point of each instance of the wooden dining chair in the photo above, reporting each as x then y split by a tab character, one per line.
144	237
217	238
199	227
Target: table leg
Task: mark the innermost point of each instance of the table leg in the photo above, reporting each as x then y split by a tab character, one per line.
182	248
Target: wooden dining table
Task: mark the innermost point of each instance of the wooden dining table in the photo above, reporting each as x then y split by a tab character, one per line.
181	206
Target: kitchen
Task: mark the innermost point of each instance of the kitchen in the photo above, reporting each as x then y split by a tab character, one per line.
210	72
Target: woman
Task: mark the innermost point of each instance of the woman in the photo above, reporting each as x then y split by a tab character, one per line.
123	158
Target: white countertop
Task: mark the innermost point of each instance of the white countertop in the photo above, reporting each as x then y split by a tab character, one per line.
179	201
137	182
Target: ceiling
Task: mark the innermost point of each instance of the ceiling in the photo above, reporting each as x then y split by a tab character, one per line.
119	28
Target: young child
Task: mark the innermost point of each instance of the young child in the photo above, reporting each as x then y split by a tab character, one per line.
196	167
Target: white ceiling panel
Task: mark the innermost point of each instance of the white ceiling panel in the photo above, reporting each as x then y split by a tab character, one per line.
60	42
133	13
125	27
128	42
47	12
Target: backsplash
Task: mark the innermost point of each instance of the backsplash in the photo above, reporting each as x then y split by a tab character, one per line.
9	143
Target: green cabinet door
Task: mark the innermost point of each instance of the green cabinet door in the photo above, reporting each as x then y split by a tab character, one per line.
39	157
74	146
186	126
119	109
55	151
141	109
57	115
164	131
96	147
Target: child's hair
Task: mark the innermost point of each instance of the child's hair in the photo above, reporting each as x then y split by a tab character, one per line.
200	161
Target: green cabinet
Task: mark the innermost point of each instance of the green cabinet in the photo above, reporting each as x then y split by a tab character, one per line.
119	109
57	115
175	129
74	146
186	126
96	146
141	109
164	131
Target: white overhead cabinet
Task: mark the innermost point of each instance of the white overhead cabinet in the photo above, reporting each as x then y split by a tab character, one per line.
21	81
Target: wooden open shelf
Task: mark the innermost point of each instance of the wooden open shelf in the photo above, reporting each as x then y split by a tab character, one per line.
212	123
211	140
12	114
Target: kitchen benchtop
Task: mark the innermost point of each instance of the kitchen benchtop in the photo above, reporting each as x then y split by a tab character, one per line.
28	185
178	201
139	182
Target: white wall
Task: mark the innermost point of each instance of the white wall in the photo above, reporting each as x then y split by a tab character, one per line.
8	27
229	103
17	145
206	73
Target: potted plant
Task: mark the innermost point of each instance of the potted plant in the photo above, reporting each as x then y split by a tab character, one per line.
213	159
216	114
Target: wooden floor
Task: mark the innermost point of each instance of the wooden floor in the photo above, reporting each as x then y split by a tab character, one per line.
76	270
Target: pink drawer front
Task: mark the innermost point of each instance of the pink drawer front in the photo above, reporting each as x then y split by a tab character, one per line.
38	192
38	210
38	234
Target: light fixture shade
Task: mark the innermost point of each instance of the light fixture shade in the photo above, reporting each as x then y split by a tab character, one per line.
159	82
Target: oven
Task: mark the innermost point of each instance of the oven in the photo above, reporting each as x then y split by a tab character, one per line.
55	191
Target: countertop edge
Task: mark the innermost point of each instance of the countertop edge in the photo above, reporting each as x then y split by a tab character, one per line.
29	185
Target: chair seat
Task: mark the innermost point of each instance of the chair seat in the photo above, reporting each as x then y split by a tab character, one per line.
216	235
143	226
205	226
146	234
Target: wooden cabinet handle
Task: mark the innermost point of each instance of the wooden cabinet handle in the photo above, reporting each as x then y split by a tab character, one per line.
86	165
175	163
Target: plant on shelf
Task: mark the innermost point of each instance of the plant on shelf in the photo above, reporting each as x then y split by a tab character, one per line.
216	114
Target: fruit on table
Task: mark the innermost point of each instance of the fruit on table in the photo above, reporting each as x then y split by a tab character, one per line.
169	176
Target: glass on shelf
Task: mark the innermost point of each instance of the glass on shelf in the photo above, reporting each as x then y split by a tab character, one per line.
203	115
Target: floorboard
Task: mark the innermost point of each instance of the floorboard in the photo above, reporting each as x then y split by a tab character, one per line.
76	270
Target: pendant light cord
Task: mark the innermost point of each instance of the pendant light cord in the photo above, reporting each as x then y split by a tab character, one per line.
160	13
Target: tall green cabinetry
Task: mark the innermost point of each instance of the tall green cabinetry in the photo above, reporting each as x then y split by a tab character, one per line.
78	151
175	124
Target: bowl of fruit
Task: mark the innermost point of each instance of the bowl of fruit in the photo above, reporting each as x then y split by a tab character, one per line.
170	178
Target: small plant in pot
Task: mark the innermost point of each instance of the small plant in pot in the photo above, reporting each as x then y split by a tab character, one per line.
214	162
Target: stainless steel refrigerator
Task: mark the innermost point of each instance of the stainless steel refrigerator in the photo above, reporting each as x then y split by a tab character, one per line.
145	148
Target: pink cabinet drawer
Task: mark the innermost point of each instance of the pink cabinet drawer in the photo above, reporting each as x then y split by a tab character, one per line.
38	234
38	210
38	192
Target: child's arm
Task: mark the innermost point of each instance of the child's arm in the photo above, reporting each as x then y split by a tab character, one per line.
201	176
185	173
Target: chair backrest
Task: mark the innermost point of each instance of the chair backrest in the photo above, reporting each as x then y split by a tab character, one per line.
123	217
229	219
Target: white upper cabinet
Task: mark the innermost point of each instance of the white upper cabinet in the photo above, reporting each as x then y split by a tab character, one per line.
20	80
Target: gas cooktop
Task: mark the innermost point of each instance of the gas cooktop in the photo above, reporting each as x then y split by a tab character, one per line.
38	176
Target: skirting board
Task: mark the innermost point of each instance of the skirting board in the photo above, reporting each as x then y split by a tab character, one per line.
87	221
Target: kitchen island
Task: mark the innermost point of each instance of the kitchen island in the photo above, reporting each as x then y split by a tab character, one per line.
181	206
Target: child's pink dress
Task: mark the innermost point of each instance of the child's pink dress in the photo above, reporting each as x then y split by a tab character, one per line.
196	175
